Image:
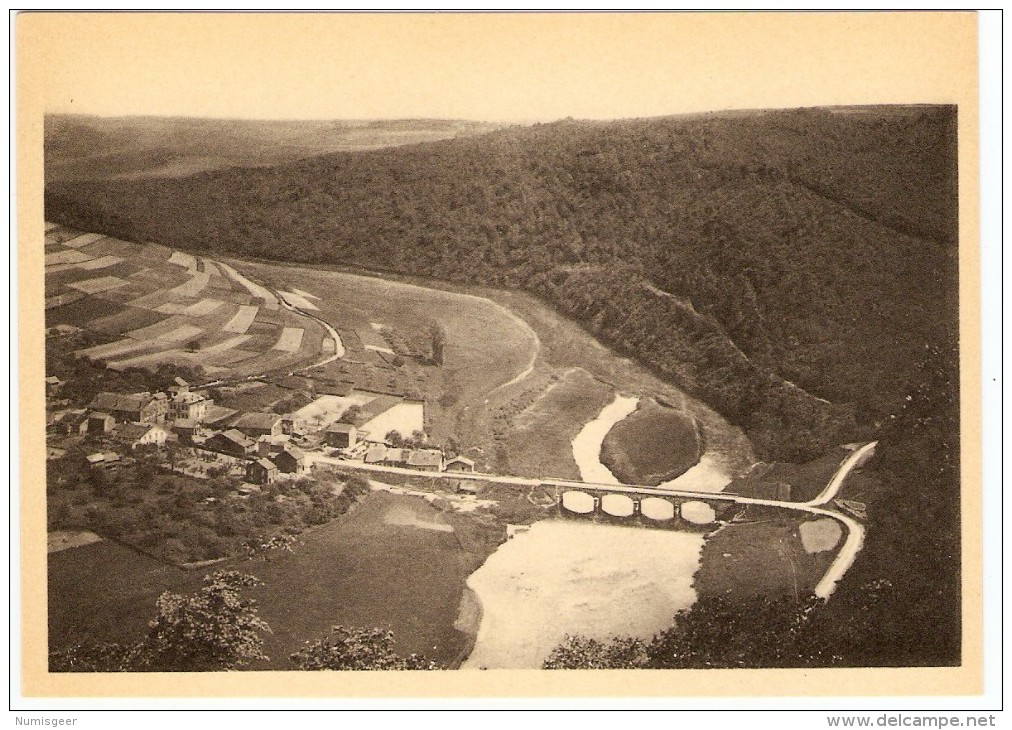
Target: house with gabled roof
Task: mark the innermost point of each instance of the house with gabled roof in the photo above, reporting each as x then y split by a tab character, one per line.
258	424
460	463
141	434
426	459
132	407
261	471
291	461
231	442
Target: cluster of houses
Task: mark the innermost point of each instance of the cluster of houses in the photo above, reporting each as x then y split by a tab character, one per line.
189	417
263	441
345	436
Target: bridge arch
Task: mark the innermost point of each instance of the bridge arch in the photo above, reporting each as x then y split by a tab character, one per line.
657	509
698	513
579	502
618	505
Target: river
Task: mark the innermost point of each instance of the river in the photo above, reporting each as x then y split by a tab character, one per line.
573	577
587	444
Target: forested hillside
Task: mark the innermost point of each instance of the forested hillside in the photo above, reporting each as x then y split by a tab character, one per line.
788	267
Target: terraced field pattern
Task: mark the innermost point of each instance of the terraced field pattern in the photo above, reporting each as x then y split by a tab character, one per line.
149	305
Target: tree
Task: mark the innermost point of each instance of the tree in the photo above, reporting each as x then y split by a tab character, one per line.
356	648
580	652
438	335
216	629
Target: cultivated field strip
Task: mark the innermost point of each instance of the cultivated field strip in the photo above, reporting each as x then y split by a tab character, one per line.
187	261
194	286
69	256
257	291
290	340
159	306
297	300
242	320
84	240
100	284
102	262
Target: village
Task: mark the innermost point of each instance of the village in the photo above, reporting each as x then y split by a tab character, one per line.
193	434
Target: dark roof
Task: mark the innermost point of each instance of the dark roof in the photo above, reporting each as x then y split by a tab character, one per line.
460	460
291	452
425	457
120	401
216	413
99	414
236	437
339	428
133	431
184	423
256	420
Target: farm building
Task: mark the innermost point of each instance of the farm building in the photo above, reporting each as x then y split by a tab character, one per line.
142	434
104	459
460	463
186	429
267	445
189	405
68	422
258	424
217	415
340	435
426	459
291	461
291	424
99	423
261	471
232	442
133	407
396	457
376	454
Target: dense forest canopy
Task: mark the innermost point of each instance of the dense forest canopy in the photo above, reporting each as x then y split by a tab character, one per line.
795	269
789	267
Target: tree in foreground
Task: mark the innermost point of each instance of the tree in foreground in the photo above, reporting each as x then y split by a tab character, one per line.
715	633
580	652
213	630
356	649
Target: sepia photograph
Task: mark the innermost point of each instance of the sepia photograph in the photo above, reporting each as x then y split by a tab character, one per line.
450	343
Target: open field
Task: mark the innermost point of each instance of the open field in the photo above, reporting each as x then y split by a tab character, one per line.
486	346
651	445
503	351
760	558
361	569
105	591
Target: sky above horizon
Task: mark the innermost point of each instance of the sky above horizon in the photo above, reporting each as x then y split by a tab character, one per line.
490	67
